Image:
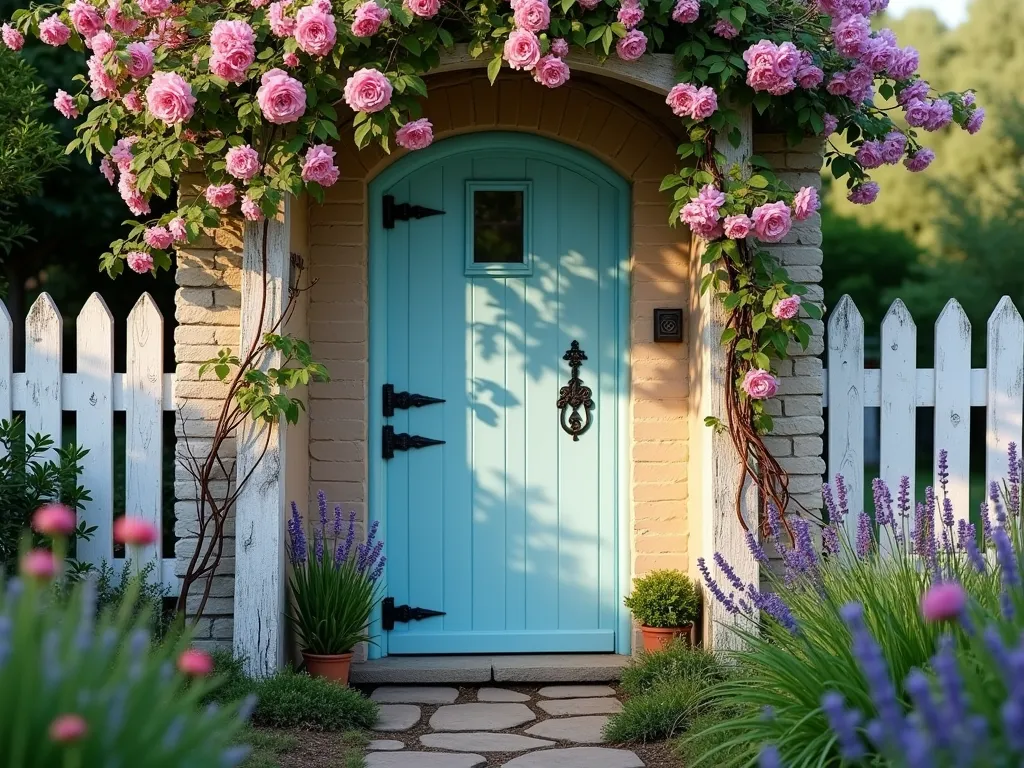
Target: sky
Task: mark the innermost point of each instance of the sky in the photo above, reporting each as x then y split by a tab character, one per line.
950	11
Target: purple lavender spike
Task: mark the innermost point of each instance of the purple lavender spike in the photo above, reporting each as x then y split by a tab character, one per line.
344	549
843	723
883	502
756	549
769	757
337	521
844	504
943	469
876	672
830	540
864	537
379	570
297	534
730	573
714	588
903	501
830	503
321	504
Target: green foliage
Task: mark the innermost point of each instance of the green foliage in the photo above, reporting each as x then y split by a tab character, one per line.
266	747
677	661
56	659
664	598
112	591
702	738
663	712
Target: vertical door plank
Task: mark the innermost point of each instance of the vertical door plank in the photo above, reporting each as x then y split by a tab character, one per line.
43	371
846	404
953	404
898	433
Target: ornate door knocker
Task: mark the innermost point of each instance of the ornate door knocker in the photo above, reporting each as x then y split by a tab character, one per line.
575	396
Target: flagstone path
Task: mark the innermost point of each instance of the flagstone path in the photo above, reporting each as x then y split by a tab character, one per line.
557	726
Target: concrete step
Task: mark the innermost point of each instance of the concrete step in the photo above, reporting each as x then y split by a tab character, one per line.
526	668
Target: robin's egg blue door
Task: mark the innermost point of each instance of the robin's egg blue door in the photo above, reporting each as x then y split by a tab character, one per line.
498	290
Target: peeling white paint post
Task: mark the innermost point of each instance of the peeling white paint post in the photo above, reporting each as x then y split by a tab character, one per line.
259	519
1005	361
44	337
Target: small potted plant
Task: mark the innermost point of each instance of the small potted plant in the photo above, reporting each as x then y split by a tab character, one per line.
665	603
334	588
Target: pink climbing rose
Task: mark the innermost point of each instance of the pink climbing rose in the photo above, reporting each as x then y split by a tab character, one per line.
12	38
738	227
522	49
169	98
632	46
532	15
315	31
139	261
680	99
831	124
102	43
864	193
53	31
551	71
368	90
686	11
416	134
630	14
153	7
425	9
368	19
772	221
705	104
291	59
133	102
281	24
759	384
234	50
975	121
221	195
786	309
282	98
140	60
176	227
251	211
805	203
242	162
869	154
851	35
559	47
158	237
86	19
318	165
725	30
920	160
65	104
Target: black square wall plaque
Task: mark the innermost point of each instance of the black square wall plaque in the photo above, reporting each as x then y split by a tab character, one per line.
668	325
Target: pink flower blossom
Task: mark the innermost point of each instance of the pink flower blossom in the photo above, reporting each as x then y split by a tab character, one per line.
103	85
12	38
101	43
588	4
120	22
711	195
810	77
158	237
787	61
318	165
140	262
195	663
738	227
551	71
221	195
140	60
169	98
893	147
940	115
969	99
943	602
251	211
64	102
786	309
132	102
919	160
772	221
416	134
767	65
108	170
54	520
127	187
242	162
701	214
831	124
53	31
282	98
760	385
425	9
368	18
315	31
859	82
121	153
805	203
39	564
851	35
153	7
975	121
869	155
86	19
368	90
560	48
630	14
280	24
878	54
905	62
837	85
725	30
176	227
134	531
234	50
917	113
67	729
865	193
686	11
632	46
705	103
680	99
533	15
522	49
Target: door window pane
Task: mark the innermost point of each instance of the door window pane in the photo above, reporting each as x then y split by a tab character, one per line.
498	226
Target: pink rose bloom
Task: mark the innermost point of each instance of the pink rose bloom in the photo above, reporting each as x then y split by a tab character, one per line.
234	49
195	663
632	46
787	61
126	25
712	196
425	9
108	170
67	729
772	221
368	90
588	4
169	98
760	385
140	60
291	59
786	309
319	166
680	99
969	99
865	193
831	124
416	134
54	520
686	11
176	227
920	160
282	98
368	18
893	147
630	14
905	62
701	217
738	227
522	49
851	35
810	77
129	191
560	48
280	24
65	104
86	19
134	531
221	196
534	15
101	43
242	162
53	31
761	72
725	30
878	54
140	262
12	38
943	602
39	564
869	155
251	211
805	203
837	85
315	31
153	7
158	237
121	153
551	71
103	85
705	104
917	113
975	121
940	115
132	102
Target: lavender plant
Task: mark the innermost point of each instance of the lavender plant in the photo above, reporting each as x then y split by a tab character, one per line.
821	682
334	582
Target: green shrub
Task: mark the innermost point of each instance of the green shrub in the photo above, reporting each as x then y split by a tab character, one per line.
232	684
663	598
112	590
703	740
677	661
663	711
293	700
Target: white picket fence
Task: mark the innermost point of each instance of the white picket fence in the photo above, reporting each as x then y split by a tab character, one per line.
899	388
94	393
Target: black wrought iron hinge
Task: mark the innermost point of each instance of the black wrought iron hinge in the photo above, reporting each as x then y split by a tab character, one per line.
390	613
404	400
392	441
393	212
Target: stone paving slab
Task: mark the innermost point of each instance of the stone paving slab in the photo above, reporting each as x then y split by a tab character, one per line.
577	757
385	745
413	694
480	717
423	669
423	760
500	694
603	706
397	717
483	742
559	668
582	730
575	691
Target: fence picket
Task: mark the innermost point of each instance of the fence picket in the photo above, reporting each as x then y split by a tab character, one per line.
953	403
6	367
1005	361
846	386
43	350
898	432
144	438
95	424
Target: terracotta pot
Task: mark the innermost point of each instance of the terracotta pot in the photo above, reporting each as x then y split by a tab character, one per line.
334	667
656	638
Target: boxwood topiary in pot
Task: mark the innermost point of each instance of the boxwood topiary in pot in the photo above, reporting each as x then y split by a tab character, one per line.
665	603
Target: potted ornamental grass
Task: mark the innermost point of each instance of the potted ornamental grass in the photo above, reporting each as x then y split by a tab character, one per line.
665	604
334	588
